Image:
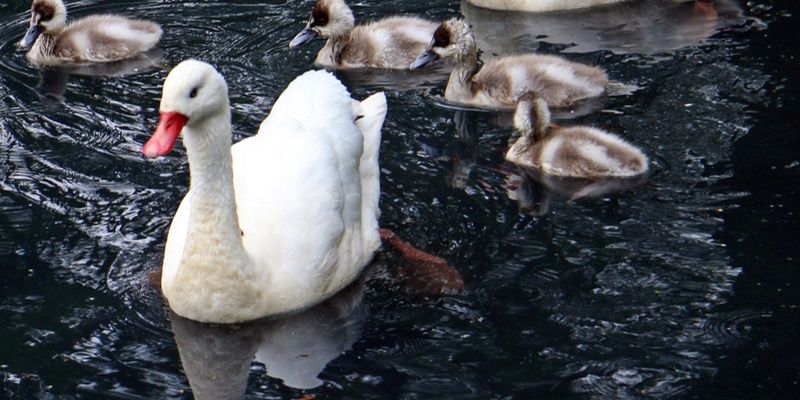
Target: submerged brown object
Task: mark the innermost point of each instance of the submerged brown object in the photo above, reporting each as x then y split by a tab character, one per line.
425	272
154	278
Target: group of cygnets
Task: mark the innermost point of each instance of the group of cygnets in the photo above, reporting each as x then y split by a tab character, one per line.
284	219
404	42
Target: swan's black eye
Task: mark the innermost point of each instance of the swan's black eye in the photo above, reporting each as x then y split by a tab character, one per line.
193	93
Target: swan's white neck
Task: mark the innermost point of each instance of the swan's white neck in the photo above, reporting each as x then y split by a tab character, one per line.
214	270
213	205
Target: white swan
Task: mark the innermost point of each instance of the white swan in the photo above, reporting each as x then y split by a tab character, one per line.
573	151
502	80
280	221
390	43
541	5
97	38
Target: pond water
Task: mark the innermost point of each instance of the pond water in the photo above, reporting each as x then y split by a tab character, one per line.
683	285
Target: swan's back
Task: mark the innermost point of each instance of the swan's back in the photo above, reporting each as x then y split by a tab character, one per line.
306	202
316	98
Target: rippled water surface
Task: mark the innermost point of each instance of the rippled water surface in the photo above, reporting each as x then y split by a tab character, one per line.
684	285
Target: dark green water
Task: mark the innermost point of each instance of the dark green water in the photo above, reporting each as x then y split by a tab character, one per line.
683	286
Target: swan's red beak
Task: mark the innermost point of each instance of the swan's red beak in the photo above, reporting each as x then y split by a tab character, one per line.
166	134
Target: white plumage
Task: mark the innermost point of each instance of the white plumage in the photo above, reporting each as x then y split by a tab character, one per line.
296	221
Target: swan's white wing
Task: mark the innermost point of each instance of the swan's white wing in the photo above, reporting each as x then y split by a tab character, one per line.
298	187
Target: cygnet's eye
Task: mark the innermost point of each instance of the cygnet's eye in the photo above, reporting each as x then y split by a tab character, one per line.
441	37
193	93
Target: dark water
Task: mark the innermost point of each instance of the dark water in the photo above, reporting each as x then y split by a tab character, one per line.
683	286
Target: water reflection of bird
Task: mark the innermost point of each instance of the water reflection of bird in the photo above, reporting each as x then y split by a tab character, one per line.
531	196
53	80
97	38
635	27
541	5
463	154
532	189
395	79
294	349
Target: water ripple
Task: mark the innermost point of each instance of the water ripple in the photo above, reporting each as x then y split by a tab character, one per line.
621	294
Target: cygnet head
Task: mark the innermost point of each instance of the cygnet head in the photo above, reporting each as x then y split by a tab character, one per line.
328	18
193	92
532	115
46	15
452	38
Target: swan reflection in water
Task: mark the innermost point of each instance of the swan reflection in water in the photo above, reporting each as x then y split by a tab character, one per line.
530	188
634	27
53	80
294	349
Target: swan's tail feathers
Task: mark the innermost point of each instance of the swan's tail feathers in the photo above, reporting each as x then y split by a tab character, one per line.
370	114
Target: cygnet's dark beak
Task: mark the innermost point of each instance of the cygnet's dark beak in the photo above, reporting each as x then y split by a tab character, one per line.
303	37
424	59
30	36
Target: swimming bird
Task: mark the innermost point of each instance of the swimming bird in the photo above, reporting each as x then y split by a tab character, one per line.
503	80
280	221
390	43
97	38
574	151
541	5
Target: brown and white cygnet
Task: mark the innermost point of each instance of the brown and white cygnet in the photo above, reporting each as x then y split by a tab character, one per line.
504	79
97	38
541	5
575	151
392	42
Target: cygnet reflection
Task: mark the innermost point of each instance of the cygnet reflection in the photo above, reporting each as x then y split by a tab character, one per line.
532	189
635	27
294	349
503	117
53	80
396	80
